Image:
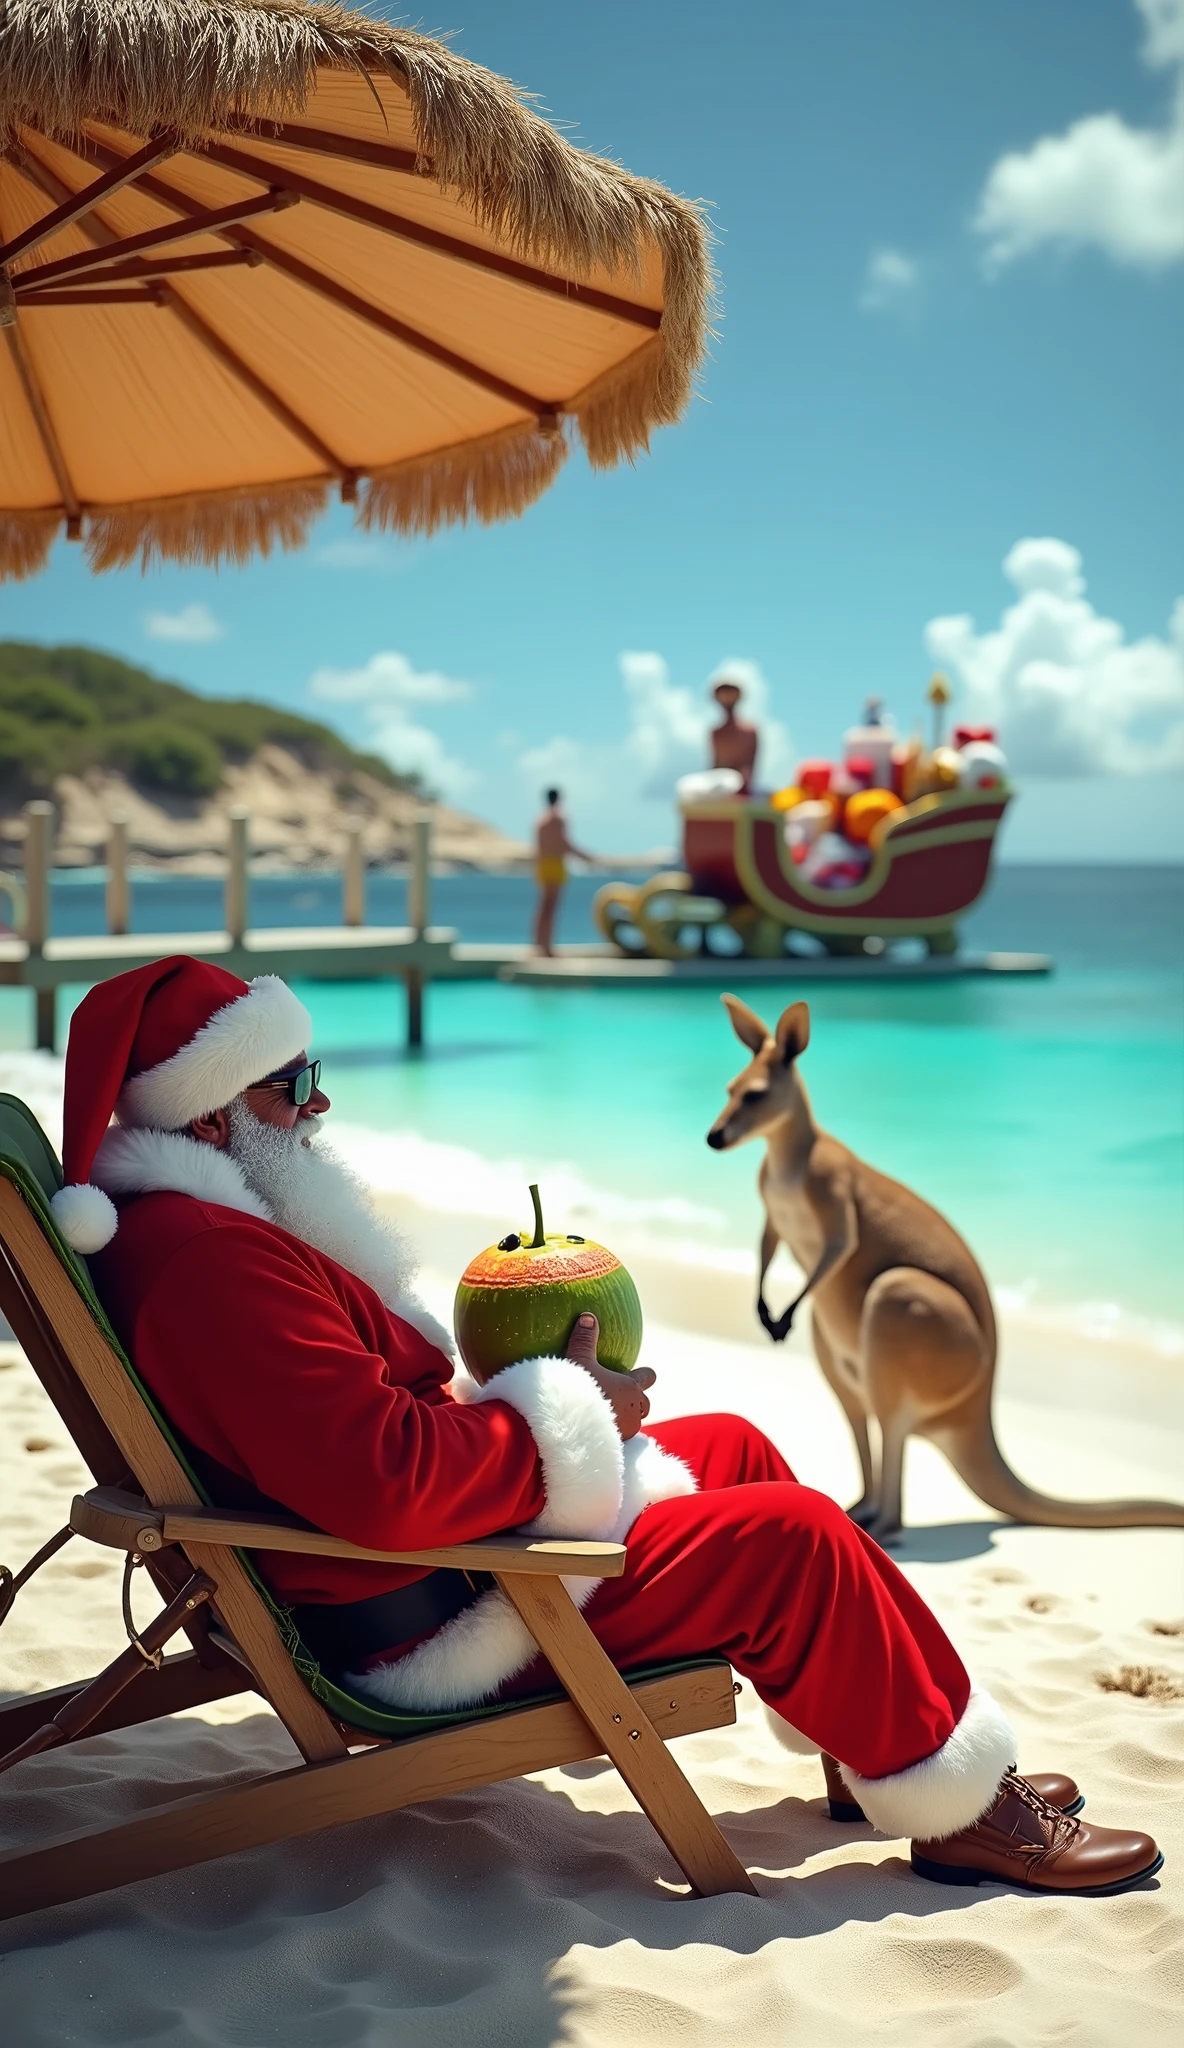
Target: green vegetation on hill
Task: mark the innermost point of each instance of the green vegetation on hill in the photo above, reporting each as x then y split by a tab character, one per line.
66	709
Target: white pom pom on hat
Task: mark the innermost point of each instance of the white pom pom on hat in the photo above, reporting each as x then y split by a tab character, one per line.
87	1218
158	1047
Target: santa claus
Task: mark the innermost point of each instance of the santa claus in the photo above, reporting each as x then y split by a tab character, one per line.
270	1310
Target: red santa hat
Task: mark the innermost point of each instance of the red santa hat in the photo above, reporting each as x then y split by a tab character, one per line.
157	1047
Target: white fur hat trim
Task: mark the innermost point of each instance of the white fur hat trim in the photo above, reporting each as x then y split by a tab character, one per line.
244	1041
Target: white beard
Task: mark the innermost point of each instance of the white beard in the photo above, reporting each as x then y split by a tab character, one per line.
312	1193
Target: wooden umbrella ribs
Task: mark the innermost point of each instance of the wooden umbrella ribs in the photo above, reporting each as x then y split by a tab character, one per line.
98	262
247	243
286	187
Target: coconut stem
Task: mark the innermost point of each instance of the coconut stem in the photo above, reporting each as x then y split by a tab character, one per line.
539	1239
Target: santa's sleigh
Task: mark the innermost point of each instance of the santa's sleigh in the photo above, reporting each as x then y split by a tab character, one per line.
930	863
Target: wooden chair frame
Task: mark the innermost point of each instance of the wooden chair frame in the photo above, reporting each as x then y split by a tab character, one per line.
145	1505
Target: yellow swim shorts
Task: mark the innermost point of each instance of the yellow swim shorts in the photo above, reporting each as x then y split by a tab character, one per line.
551	874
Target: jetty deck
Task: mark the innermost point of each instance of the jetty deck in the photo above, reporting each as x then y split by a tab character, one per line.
374	952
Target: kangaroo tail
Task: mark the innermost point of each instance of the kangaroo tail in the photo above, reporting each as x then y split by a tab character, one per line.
975	1456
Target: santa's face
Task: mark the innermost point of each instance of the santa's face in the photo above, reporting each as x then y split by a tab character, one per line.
271	1100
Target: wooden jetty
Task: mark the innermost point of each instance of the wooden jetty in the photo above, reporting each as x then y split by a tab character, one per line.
352	951
415	953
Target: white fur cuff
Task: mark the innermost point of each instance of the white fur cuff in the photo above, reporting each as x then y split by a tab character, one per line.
651	1474
579	1445
949	1790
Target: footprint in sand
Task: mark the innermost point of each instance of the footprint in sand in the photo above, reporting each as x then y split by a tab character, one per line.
933	1972
1143	1682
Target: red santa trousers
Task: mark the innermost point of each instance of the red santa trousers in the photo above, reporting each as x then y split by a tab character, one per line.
779	1580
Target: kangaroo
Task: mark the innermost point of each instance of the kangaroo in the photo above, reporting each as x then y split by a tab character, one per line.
903	1325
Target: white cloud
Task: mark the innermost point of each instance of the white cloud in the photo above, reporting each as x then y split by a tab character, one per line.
1164	42
665	736
387	680
193	623
891	277
1069	694
386	688
1101	184
359	551
352	553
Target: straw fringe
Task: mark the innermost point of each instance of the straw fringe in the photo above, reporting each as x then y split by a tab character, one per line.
25	541
221	526
494	478
192	64
616	414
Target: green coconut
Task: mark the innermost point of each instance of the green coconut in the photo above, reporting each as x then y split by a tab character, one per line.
521	1297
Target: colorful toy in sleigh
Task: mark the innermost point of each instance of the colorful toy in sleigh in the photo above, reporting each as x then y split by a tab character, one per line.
896	843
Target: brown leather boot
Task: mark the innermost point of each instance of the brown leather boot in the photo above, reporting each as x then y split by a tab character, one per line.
1026	1842
1059	1790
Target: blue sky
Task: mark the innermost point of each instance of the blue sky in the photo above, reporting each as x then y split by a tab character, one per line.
951	240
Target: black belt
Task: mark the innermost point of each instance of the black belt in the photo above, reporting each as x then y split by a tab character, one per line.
343	1635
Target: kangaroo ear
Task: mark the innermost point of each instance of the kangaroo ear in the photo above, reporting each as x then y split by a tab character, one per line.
746	1024
793	1031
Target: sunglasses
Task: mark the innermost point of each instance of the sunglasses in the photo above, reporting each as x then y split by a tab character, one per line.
298	1086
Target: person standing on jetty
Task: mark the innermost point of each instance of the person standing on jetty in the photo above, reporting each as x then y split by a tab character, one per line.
734	744
552	848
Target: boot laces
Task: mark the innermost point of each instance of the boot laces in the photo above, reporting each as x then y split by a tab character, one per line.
1058	1827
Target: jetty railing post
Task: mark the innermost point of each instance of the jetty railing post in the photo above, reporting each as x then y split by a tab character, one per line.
414	980
236	875
418	898
354	876
38	864
420	880
118	893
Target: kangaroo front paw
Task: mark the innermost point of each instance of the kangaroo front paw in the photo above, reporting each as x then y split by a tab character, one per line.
778	1327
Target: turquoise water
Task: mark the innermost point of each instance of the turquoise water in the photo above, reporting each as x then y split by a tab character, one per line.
1045	1116
1046	1120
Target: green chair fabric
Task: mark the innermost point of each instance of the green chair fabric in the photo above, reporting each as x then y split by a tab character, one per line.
28	1160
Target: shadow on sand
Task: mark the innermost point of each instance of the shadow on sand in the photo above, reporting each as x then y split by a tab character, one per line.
440	1919
943	1542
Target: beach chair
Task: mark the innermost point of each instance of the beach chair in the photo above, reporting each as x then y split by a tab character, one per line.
359	1759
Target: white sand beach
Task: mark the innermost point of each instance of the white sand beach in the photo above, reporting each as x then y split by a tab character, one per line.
545	1911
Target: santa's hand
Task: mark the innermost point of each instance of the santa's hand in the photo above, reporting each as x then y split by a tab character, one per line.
624	1391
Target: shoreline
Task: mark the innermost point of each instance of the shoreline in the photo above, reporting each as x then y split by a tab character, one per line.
450	1201
712	1292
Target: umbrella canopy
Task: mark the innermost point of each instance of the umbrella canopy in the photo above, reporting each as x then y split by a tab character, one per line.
255	250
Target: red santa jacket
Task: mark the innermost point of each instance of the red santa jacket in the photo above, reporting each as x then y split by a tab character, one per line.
272	1359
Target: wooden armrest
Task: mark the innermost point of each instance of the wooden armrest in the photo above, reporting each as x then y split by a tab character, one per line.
121	1521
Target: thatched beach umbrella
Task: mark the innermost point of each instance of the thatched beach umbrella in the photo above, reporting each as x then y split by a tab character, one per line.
255	250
